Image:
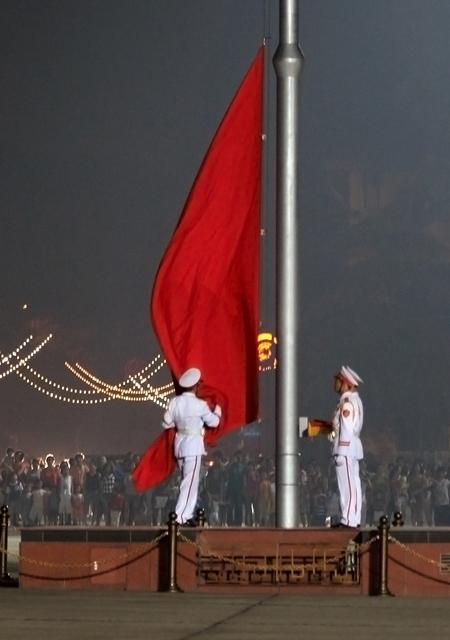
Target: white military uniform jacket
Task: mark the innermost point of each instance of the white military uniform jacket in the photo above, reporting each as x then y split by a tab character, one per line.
347	423
188	414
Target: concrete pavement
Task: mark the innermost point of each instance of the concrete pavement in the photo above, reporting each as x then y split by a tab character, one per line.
159	616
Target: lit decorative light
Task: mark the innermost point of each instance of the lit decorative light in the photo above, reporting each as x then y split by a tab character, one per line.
105	394
5	359
72	390
163	390
57	385
129	395
119	387
166	389
57	391
118	392
55	388
56	396
22	361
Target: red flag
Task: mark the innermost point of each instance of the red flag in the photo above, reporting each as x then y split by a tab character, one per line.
205	300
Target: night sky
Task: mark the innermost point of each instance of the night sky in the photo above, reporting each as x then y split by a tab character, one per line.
106	110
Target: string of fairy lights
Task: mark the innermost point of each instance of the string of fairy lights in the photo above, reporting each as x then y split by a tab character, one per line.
5	359
12	368
158	395
137	387
99	390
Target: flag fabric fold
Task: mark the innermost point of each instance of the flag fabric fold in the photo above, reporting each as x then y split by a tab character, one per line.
205	299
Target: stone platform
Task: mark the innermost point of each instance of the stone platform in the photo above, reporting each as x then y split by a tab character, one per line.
333	562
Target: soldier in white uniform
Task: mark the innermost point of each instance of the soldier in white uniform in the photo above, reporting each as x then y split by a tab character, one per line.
347	447
189	415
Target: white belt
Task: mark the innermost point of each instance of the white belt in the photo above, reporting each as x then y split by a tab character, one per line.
190	432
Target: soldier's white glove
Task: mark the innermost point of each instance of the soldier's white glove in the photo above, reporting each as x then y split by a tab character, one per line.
331	436
218	410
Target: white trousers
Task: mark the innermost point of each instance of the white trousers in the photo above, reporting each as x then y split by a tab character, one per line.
349	484
187	498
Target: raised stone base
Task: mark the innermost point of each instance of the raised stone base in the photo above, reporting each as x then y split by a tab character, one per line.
219	560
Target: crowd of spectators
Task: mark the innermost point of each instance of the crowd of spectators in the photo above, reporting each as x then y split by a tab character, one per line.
235	491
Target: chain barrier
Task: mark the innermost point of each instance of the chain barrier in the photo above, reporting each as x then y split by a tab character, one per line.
365	546
419	556
93	564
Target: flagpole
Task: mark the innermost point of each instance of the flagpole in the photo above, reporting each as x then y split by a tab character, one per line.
287	61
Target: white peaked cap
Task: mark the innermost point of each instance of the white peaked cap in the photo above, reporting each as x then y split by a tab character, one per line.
350	375
189	378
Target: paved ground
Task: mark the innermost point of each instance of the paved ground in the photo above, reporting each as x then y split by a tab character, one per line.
124	615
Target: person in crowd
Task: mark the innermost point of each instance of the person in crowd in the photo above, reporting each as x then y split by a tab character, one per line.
107	483
252	477
440	495
403	494
26	501
13	494
21	465
77	502
379	494
3	484
234	490
36	516
189	415
34	473
215	489
265	499
91	494
78	470
116	505
417	493
132	500
428	508
101	463
50	482
319	505
158	499
146	514
7	463
395	488
365	491
65	494
305	499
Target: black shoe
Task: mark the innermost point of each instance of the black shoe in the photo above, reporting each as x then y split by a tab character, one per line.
190	523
